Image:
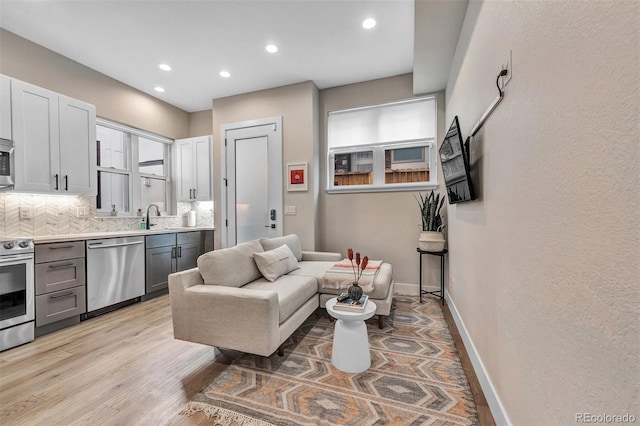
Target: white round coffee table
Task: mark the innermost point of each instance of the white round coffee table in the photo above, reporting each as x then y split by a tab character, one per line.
350	351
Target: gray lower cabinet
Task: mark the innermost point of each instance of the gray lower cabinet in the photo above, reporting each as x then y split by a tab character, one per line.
169	253
160	262
60	277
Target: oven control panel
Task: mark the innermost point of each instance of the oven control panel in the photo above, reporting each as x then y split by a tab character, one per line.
16	246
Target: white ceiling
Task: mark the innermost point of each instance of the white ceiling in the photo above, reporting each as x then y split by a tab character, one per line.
319	40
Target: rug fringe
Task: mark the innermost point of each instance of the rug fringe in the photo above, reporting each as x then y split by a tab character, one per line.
221	416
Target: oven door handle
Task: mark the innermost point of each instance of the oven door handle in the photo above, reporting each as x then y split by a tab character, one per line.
16	258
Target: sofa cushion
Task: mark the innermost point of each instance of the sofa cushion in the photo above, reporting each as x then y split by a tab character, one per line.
293	292
275	263
231	267
292	241
315	269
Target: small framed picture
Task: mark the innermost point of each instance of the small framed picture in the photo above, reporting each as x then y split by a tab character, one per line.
297	177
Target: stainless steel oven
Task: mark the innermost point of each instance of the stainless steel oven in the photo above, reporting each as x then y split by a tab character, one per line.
16	293
7	166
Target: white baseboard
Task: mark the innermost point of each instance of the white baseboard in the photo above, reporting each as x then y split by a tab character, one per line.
406	289
493	399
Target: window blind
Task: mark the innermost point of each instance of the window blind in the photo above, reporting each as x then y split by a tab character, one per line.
399	121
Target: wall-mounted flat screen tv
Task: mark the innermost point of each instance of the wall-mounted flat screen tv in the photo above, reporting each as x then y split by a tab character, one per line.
455	166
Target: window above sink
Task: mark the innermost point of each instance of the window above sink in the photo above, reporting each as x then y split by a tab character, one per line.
133	170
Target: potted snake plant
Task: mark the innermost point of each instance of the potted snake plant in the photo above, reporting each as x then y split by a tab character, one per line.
431	237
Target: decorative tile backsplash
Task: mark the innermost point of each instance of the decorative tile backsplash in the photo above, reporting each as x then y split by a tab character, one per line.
30	215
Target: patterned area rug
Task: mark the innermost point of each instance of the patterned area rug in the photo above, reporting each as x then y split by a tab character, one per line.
415	378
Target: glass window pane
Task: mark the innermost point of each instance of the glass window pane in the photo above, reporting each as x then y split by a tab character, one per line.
153	191
113	189
111	148
354	168
151	155
406	165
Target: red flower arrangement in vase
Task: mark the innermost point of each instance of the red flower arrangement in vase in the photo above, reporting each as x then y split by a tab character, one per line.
355	291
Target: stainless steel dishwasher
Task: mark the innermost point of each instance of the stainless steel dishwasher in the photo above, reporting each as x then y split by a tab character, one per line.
115	272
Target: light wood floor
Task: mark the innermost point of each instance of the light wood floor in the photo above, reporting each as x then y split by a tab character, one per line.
124	368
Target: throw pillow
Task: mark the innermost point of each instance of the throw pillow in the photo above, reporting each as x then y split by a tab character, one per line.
291	240
230	267
275	263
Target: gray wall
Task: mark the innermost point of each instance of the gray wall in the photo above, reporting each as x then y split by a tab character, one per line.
545	265
30	62
201	123
383	225
296	104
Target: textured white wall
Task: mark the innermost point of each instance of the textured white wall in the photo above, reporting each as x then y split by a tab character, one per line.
545	265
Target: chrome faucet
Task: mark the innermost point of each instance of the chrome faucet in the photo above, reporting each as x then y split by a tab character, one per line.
149	224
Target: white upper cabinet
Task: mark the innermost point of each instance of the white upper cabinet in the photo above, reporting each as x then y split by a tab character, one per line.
77	147
36	137
5	107
54	137
193	169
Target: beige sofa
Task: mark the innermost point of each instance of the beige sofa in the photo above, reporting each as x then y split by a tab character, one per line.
228	303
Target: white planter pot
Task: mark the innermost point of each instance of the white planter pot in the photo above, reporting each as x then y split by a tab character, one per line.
431	241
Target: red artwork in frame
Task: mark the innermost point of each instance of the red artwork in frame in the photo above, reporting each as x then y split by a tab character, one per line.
297	177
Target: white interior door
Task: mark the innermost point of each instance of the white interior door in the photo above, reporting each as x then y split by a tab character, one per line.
252	181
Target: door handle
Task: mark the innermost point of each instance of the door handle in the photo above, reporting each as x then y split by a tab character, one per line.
194	193
66	182
180	251
272	226
57	182
191	194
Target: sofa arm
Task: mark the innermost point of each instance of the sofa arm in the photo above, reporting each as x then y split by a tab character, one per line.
227	317
185	279
321	256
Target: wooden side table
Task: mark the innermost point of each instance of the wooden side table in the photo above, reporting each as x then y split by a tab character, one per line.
440	254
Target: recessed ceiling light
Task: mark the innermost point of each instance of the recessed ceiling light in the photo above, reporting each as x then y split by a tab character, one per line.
369	23
164	67
225	74
271	48
159	89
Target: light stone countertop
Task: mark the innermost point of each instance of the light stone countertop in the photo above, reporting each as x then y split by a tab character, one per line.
131	233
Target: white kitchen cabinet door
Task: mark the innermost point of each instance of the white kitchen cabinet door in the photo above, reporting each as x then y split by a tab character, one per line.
5	108
193	171
77	147
184	178
34	114
202	172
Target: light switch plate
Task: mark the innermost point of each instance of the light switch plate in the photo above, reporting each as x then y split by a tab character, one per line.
82	211
25	213
290	210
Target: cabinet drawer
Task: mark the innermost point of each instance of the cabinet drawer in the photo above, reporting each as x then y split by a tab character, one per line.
59	251
160	240
60	305
55	276
189	237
